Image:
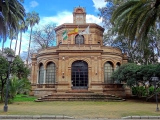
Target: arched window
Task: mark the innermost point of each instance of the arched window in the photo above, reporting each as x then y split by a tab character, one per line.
51	73
41	74
79	39
108	70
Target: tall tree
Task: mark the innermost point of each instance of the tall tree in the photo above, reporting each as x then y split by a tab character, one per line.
4	70
31	19
11	11
11	36
18	69
44	37
22	28
107	11
15	47
143	52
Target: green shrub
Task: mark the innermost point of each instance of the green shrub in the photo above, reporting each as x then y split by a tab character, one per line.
17	86
139	91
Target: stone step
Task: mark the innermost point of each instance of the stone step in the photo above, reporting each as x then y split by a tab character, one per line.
79	94
68	99
87	97
79	91
79	97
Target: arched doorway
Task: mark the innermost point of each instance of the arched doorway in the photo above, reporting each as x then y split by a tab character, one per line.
79	75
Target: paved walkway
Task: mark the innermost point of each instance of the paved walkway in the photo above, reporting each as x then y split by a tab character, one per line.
78	119
61	117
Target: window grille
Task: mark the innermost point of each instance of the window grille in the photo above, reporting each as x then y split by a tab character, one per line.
79	74
108	70
79	39
41	74
51	73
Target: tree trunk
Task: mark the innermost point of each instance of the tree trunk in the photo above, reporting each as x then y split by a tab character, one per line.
20	43
3	46
4	40
29	46
1	6
16	44
11	43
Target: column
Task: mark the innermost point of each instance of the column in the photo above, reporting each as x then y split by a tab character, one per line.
63	69
69	78
96	69
60	70
89	77
89	38
93	68
99	69
66	69
37	76
44	79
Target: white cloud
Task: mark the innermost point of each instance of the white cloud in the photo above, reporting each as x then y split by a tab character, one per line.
93	19
60	18
33	4
67	17
99	3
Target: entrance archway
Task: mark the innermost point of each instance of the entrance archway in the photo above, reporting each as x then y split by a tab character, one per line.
79	75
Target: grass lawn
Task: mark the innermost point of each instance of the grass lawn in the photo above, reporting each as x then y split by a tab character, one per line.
80	109
22	98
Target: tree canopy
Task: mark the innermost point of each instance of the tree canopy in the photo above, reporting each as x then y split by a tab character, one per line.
138	77
124	21
18	69
135	18
31	19
44	37
11	12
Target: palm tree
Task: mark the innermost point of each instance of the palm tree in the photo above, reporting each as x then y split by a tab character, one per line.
32	19
135	18
15	47
12	36
23	27
11	11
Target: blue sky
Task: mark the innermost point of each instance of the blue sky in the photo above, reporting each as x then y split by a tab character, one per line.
58	12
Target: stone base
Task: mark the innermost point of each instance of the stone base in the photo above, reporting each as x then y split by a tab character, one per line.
62	87
114	89
110	89
42	92
96	87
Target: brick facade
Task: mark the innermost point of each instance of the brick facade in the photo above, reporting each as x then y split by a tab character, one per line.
92	52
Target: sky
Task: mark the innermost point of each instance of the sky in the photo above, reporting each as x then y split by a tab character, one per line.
58	12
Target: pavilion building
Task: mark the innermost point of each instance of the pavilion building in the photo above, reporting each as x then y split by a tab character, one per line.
79	63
